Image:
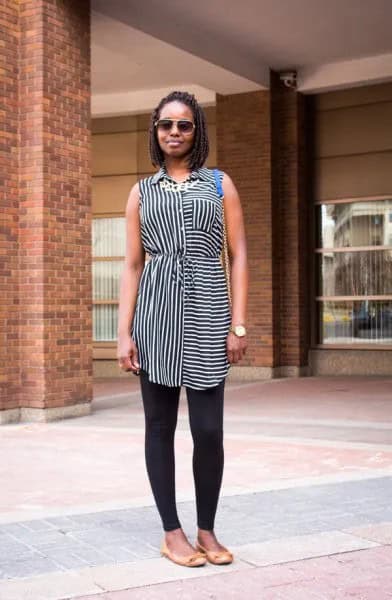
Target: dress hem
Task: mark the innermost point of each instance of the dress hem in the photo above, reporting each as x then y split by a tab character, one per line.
185	385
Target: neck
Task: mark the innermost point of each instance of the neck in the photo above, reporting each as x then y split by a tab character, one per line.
177	168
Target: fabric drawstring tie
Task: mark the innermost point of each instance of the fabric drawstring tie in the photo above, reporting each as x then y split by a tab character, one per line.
183	274
184	268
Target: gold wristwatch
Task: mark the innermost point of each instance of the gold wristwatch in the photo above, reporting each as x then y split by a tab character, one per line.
238	330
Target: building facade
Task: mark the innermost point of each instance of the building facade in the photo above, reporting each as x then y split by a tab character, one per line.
312	168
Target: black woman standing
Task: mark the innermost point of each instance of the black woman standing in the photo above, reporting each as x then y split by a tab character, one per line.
176	325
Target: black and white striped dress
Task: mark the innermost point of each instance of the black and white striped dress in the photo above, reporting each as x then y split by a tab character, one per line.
182	314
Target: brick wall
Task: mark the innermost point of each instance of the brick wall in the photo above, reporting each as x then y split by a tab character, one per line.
290	196
244	152
53	204
260	144
9	355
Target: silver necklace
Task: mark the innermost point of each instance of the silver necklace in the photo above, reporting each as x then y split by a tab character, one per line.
177	186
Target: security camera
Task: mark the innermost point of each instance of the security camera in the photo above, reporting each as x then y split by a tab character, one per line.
289	79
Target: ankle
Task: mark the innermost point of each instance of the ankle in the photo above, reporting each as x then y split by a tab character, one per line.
174	533
205	533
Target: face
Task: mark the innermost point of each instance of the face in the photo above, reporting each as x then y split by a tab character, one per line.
175	143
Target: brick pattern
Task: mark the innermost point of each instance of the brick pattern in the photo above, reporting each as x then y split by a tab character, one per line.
292	248
54	204
244	152
260	144
9	359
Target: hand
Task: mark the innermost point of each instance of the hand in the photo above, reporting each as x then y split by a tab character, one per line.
236	347
127	355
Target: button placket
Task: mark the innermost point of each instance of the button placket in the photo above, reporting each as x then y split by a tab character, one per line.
182	227
183	238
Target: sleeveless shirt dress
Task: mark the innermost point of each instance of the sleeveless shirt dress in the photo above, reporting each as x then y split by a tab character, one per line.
182	314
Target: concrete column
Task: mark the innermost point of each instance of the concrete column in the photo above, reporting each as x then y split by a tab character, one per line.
52	208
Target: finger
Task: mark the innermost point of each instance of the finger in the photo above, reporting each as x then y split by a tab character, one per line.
134	369
230	356
135	359
124	363
232	343
124	360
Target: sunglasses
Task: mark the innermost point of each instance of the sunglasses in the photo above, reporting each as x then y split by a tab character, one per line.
183	125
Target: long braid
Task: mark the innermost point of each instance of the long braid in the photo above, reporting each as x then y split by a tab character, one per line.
200	148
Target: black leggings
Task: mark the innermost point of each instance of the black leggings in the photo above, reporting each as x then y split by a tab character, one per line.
206	421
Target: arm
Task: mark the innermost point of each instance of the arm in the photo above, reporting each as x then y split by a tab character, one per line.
236	242
133	267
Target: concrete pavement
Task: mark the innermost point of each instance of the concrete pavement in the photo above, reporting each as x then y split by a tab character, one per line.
305	502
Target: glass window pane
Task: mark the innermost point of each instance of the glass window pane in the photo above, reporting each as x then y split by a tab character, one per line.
109	236
367	273
106	279
105	320
356	322
108	241
355	224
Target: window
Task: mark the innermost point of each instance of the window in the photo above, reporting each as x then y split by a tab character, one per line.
108	260
354	266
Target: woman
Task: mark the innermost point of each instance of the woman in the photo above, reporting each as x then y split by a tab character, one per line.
176	327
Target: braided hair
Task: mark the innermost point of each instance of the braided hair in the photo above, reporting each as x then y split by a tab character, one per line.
200	148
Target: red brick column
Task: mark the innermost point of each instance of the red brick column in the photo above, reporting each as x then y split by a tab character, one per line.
9	355
54	208
290	192
260	145
244	152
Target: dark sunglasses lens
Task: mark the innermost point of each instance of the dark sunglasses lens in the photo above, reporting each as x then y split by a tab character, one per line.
185	126
164	124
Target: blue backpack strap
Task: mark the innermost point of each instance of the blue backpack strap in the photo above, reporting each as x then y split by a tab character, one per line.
218	183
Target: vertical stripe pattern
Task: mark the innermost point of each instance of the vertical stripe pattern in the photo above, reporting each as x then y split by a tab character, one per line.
182	314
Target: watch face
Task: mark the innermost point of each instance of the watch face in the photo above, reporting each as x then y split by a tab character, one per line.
240	330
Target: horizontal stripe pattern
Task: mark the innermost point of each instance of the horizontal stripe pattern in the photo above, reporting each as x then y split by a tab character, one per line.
182	314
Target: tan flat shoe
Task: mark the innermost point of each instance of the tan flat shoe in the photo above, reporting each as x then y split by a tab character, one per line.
198	559
220	557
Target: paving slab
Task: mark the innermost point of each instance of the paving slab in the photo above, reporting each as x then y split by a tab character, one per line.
308	472
92	580
111	537
302	547
98	462
380	532
321	578
102	453
54	586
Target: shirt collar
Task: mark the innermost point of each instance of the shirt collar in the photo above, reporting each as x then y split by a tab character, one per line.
158	175
201	173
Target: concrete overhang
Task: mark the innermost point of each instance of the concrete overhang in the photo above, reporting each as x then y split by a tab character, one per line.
142	50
